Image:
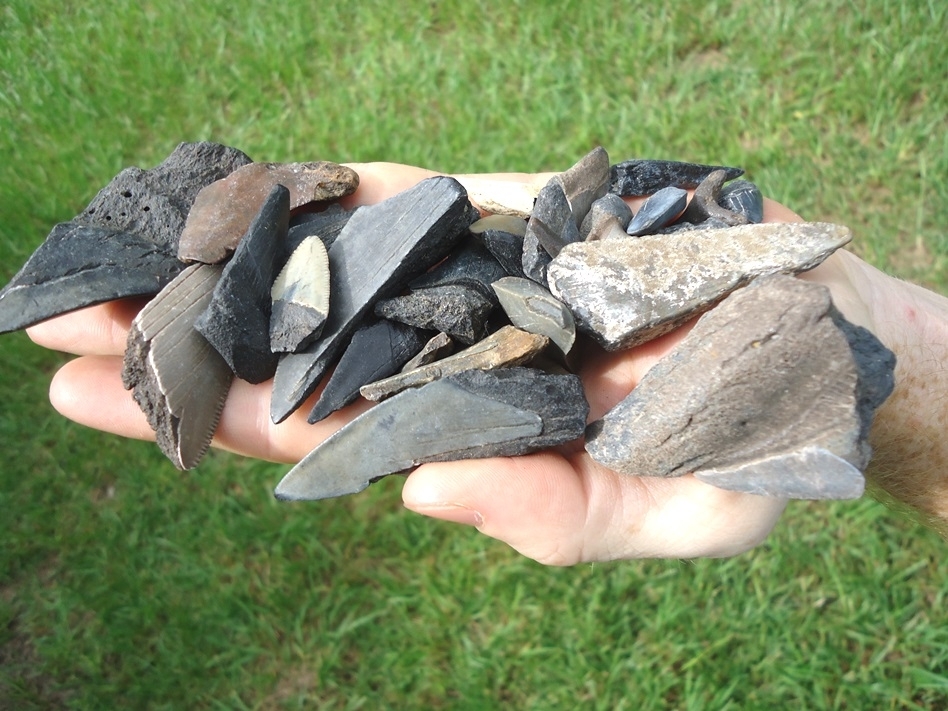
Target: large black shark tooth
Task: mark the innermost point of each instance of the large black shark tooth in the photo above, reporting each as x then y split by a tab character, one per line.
237	321
375	352
772	392
381	248
473	414
123	244
644	177
81	265
176	377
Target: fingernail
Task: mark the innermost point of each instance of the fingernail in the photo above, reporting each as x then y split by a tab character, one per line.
450	512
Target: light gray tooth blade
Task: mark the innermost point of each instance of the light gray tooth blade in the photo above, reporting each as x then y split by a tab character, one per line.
534	309
434	421
176	376
300	295
809	473
658	211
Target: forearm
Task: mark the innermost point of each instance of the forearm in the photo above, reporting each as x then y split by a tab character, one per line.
910	432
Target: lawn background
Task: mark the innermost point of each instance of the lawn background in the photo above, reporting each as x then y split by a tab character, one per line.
126	584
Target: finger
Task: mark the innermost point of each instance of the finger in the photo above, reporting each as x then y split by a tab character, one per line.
89	391
378	181
562	512
95	330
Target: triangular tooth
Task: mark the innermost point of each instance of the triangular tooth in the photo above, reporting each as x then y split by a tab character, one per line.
177	378
300	295
534	309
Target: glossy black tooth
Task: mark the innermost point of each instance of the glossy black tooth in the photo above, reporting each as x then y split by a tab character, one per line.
658	211
771	393
469	415
643	177
420	227
237	321
745	198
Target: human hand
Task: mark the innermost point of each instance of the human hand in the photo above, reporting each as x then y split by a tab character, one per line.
558	506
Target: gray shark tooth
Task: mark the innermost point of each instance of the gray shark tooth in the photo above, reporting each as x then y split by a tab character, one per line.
704	203
378	251
439	346
605	212
507	347
551	223
458	310
471	265
469	415
659	210
771	392
81	265
300	295
326	225
807	473
644	177
237	321
176	377
223	211
123	244
534	309
625	292
375	352
585	182
743	197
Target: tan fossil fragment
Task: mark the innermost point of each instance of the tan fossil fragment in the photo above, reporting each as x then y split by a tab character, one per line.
507	347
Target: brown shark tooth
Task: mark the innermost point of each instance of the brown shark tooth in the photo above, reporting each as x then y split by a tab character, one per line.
222	212
585	182
237	320
300	297
176	377
505	348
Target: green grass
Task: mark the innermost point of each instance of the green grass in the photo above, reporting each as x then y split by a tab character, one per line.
126	584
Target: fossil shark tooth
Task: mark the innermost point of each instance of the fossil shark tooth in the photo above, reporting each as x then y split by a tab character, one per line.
743	197
326	225
627	291
378	251
534	309
659	210
772	392
300	295
122	244
237	320
376	351
704	203
507	347
551	223
644	177
608	210
471	265
176	377
223	211
468	415
585	182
